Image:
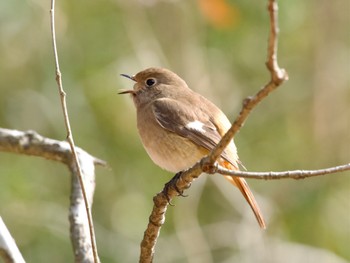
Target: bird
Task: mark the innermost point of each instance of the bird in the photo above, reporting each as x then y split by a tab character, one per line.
178	126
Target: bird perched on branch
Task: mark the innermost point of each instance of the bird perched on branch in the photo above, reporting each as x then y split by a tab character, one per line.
178	126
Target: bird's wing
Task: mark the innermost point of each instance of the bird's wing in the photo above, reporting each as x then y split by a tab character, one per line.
190	122
193	123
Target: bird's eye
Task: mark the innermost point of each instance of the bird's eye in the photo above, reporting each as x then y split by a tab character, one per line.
150	82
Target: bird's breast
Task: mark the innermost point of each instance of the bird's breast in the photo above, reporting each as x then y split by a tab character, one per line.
167	149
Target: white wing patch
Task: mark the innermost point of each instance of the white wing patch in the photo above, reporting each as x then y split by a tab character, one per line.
196	125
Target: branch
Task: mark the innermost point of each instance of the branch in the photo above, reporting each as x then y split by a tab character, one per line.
31	143
8	248
296	174
179	183
79	225
183	180
70	135
277	77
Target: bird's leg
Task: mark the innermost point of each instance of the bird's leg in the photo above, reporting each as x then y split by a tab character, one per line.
173	184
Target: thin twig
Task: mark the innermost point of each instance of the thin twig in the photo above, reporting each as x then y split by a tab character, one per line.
70	135
295	174
278	76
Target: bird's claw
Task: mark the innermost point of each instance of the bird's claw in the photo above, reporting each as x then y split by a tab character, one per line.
172	184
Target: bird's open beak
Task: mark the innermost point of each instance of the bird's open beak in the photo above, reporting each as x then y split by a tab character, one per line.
127	91
128	76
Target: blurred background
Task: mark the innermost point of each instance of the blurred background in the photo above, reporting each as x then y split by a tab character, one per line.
219	48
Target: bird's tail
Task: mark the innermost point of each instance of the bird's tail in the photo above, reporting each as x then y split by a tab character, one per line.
247	193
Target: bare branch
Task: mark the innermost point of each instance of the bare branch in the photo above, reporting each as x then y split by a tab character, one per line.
8	248
70	135
278	76
79	225
295	174
31	143
180	182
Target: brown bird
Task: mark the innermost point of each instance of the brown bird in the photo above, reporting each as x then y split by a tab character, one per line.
178	126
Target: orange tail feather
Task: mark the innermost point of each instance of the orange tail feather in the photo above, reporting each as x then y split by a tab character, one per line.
248	195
